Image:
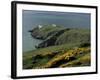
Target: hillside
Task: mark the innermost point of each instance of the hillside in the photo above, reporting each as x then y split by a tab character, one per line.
61	47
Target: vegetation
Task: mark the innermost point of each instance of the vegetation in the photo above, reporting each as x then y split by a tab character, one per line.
61	47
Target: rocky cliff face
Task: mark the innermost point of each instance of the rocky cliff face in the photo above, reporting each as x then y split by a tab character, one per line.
50	40
55	35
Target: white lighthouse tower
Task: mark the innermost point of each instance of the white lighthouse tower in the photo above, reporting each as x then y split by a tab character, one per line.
40	26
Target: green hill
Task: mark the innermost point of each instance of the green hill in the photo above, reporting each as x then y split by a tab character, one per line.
61	47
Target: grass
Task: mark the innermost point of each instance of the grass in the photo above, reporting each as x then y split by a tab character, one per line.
74	36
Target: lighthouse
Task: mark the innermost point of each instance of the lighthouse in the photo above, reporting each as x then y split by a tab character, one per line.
54	25
40	26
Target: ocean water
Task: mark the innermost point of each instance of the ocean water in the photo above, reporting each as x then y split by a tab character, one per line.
31	19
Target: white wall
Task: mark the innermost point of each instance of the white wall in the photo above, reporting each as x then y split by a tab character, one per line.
5	40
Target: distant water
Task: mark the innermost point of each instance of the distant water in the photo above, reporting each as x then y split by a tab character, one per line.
33	18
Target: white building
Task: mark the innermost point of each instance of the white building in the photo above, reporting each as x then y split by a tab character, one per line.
40	26
54	25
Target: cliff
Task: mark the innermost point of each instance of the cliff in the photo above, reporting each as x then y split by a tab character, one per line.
57	35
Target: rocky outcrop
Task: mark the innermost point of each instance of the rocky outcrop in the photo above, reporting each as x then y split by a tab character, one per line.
35	33
44	31
51	39
57	36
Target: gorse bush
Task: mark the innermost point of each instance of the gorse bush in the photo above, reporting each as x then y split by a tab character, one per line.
66	57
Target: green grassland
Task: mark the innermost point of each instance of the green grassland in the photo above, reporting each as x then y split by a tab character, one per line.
61	47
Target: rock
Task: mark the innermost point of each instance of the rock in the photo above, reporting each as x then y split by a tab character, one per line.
36	58
30	30
56	52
